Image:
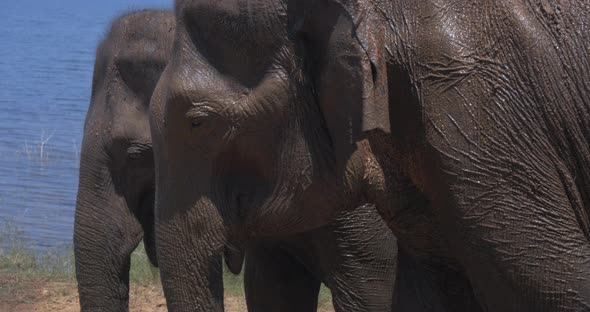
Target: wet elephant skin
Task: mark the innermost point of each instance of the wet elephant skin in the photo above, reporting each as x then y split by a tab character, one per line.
464	122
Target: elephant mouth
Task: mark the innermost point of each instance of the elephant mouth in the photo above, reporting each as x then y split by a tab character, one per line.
241	201
241	217
247	221
233	253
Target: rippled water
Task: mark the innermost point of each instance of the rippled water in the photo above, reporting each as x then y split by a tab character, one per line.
46	58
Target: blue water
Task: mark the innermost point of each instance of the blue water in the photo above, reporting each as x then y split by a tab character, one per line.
46	59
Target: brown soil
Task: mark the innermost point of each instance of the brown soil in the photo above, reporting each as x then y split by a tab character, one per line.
36	294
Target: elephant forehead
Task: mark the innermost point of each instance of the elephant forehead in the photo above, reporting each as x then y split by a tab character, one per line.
133	45
144	24
141	52
250	26
199	88
194	74
240	39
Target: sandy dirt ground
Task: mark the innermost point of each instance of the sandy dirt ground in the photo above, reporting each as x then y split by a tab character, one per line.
34	294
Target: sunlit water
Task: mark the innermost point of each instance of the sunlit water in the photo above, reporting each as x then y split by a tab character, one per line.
46	59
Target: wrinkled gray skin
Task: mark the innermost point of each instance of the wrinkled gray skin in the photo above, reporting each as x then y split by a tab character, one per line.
478	109
115	202
354	256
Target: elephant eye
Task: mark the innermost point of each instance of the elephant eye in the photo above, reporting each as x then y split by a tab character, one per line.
137	150
196	124
198	114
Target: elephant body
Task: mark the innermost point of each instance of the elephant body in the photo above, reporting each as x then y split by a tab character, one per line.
116	200
464	122
115	204
489	121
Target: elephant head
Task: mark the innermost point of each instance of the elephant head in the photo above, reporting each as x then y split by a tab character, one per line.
115	201
255	122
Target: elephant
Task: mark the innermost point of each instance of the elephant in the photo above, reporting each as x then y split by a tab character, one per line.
465	123
354	256
116	197
115	202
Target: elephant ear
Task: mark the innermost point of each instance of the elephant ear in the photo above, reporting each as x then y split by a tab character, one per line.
345	44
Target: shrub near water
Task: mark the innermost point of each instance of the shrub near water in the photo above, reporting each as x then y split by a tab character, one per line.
17	256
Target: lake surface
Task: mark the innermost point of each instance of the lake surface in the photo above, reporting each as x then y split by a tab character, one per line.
46	62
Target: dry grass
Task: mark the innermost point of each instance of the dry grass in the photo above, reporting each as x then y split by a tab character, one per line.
36	294
44	281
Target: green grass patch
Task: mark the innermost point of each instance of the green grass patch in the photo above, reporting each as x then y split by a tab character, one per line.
233	284
142	271
19	259
325	297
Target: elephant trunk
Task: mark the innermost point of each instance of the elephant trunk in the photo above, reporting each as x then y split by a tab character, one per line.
146	216
190	241
105	234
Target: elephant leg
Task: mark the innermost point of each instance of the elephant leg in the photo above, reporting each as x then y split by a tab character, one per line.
431	287
357	254
428	277
105	235
493	158
519	238
536	260
413	289
276	281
